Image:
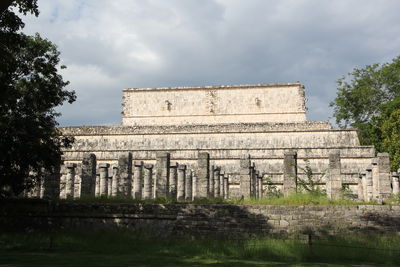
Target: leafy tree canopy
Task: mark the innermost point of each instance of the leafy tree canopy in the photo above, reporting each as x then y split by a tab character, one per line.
369	100
31	90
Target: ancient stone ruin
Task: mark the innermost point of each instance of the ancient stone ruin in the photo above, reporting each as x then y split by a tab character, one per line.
216	141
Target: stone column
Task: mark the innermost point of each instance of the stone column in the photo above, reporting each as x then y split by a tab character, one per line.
260	186
173	176
189	185
360	186
385	189
395	182
63	181
181	182
77	181
226	187
109	184
97	183
334	182
115	181
194	188
375	179
203	175
88	176
253	180
221	184
212	182
51	183
103	171
125	174
147	181
162	174
137	180
256	185
290	173
369	184
70	180
245	177
217	189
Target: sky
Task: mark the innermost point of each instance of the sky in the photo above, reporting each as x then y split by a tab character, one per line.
109	45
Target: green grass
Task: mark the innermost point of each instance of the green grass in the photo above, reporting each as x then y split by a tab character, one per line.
124	248
292	200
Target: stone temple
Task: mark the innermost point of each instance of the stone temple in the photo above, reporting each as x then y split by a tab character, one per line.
211	140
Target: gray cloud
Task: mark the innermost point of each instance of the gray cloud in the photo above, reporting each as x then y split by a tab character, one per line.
111	45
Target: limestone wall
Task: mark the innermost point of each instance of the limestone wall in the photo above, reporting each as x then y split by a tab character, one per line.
201	220
214	104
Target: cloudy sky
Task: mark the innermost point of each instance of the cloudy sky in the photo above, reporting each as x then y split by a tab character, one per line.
109	45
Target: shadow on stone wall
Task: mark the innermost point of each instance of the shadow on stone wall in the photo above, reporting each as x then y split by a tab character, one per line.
199	220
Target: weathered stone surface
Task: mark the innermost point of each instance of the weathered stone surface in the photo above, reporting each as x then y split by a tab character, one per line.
334	182
147	181
189	185
125	173
203	175
137	180
103	171
385	189
70	179
245	176
181	182
88	177
161	186
201	220
173	177
217	183
290	173
115	181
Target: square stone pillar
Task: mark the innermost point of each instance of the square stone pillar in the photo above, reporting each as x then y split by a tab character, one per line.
173	177
253	180
103	171
63	181
375	179
162	174
217	177
78	181
289	173
334	182
70	180
226	187
125	174
395	183
369	183
147	181
245	177
115	181
257	191
260	186
203	175
97	193
51	183
385	189
189	185
137	180
181	182
221	184
88	175
212	182
360	186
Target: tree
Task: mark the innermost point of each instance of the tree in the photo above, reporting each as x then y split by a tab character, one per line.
31	90
366	99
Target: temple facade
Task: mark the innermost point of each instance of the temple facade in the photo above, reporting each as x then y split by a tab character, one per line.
263	126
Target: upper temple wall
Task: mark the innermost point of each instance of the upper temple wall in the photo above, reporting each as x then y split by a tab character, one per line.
214	105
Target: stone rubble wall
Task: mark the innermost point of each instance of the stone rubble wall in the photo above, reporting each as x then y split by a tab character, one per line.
230	221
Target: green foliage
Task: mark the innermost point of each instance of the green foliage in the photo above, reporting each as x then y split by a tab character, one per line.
366	100
270	190
31	90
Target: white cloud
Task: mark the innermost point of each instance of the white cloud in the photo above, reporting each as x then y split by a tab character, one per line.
110	45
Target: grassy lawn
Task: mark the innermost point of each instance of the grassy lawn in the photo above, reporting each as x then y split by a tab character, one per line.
124	248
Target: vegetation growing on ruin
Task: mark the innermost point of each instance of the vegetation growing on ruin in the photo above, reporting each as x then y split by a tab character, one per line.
124	248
